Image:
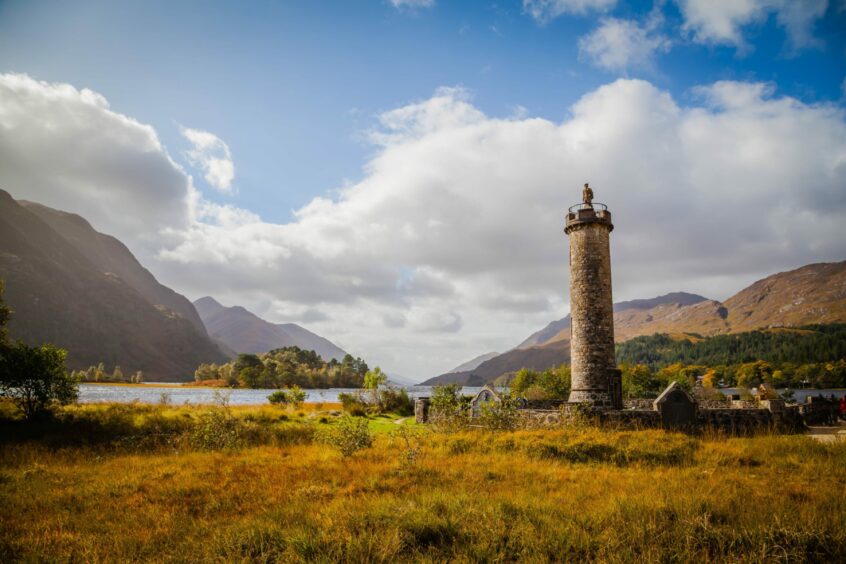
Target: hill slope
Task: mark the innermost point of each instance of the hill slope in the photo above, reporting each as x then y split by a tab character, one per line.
59	295
111	256
474	362
245	332
815	293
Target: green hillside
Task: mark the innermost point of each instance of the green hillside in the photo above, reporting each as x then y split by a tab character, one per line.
801	345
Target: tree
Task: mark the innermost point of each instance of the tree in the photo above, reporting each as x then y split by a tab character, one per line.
296	396
374	378
35	377
139	377
523	380
117	375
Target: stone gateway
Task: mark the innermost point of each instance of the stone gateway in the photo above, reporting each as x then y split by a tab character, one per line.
595	378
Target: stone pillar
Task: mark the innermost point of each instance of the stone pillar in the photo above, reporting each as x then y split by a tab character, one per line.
595	378
421	410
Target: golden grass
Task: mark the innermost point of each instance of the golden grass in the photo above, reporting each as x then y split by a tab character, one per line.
568	494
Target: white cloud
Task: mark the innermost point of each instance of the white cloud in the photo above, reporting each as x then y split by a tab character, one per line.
618	45
544	10
451	244
721	21
211	155
399	4
67	148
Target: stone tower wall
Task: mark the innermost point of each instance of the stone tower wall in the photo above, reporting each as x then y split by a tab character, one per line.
592	327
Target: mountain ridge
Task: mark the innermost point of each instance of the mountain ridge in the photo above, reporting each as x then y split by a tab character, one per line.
61	295
245	332
814	293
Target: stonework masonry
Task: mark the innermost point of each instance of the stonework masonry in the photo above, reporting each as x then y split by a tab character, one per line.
595	378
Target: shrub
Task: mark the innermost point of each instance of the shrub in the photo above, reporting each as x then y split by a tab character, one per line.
410	443
278	397
395	401
216	429
348	435
35	377
296	395
353	404
449	411
500	416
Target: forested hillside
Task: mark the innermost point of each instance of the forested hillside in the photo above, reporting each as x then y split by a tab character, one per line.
802	345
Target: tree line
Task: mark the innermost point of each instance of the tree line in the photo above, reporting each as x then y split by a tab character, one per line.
286	367
809	344
811	356
100	374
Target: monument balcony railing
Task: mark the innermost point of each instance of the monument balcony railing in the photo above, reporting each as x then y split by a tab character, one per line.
595	206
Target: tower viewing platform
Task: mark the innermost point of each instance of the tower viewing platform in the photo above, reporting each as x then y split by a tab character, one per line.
584	213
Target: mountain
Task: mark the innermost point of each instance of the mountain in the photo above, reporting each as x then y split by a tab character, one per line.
535	358
84	291
474	363
555	331
815	293
244	332
111	256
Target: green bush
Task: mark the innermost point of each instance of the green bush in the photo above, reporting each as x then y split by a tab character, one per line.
217	429
353	404
278	397
296	395
409	443
449	410
348	435
34	378
395	401
501	415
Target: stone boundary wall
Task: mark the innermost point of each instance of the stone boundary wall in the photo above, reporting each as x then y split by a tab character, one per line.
771	415
732	421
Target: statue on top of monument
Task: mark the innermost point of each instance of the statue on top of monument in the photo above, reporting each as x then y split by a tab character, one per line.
587	195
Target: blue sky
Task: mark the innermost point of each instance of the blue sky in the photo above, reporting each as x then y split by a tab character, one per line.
392	174
290	86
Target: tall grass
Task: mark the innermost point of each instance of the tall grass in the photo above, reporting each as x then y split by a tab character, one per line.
566	494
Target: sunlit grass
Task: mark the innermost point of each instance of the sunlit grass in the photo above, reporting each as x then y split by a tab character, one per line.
568	494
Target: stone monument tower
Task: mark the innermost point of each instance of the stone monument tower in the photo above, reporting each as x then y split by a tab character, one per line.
595	378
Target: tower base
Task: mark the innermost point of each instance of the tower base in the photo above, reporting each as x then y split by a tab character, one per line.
594	398
603	398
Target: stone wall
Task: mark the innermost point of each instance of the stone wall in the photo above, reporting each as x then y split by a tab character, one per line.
731	421
638	403
769	415
592	326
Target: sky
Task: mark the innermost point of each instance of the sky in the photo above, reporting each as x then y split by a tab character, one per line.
393	174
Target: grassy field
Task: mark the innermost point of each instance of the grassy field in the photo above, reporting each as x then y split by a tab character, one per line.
123	483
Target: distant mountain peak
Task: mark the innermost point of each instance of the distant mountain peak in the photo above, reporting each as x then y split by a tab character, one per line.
679	298
243	331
